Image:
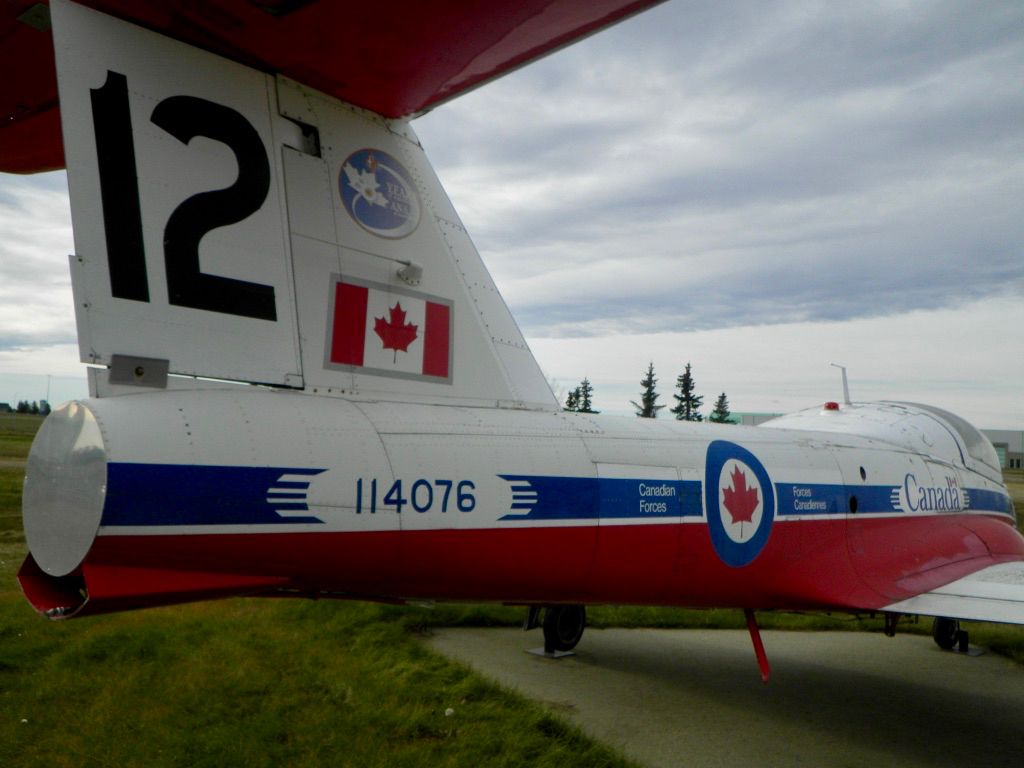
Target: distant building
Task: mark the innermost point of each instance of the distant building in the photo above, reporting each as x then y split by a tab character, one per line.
752	419
1009	444
6	408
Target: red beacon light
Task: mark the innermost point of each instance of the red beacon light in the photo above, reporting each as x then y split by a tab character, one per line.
831	405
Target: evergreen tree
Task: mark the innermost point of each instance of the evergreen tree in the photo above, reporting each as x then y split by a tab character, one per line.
646	408
586	390
687	403
572	400
34	408
44	408
23	406
721	413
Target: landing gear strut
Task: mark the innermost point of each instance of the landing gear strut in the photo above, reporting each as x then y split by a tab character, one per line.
947	634
563	626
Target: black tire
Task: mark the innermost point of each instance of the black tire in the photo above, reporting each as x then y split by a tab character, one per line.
946	632
563	627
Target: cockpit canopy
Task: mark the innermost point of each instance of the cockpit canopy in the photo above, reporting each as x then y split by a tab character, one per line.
978	447
919	428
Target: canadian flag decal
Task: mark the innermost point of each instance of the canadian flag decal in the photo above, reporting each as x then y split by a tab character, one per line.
390	331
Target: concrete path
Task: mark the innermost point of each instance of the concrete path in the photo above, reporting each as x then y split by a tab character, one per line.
694	697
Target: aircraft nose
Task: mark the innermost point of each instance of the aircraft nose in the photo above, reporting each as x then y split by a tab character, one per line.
65	488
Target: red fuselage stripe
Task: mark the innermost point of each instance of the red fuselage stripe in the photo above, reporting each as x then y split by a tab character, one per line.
857	563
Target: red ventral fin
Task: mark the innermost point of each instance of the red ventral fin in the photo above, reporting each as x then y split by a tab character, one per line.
755	636
99	588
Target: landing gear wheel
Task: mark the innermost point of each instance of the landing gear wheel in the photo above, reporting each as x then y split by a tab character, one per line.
946	632
563	627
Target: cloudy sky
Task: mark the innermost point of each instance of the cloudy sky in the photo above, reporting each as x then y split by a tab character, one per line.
759	188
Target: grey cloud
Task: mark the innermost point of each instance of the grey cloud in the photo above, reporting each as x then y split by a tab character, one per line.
13	342
834	161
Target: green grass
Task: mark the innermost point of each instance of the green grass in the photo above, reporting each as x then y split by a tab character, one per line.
268	683
10	501
259	683
16	433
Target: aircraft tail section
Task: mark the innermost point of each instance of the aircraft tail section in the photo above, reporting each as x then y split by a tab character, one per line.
235	225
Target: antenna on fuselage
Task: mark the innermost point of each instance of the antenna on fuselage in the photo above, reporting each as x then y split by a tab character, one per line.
846	387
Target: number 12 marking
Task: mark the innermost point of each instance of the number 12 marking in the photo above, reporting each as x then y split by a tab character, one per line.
184	117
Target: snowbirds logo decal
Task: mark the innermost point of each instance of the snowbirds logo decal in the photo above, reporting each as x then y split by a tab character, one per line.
379	194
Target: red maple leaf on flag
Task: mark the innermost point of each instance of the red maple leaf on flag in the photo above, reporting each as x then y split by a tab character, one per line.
739	500
394	332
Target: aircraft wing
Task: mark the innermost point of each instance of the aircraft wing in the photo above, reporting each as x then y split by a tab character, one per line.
397	59
995	593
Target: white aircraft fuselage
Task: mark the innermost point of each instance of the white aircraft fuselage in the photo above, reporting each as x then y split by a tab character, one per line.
257	491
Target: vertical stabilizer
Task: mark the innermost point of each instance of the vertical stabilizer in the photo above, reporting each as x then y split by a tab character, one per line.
393	298
235	225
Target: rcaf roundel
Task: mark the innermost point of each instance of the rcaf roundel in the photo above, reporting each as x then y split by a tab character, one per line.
389	331
740	503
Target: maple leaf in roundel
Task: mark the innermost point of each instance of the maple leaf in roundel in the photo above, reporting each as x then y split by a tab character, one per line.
394	332
739	500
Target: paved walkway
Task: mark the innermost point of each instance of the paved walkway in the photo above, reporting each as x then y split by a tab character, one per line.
694	697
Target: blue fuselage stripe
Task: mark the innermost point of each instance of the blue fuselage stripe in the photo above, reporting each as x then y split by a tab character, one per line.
594	498
191	495
186	494
834	499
